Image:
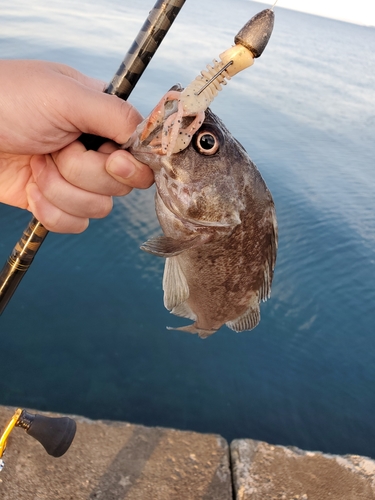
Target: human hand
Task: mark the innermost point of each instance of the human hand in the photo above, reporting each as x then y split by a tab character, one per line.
44	108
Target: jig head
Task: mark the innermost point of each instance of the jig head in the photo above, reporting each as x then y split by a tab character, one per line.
184	114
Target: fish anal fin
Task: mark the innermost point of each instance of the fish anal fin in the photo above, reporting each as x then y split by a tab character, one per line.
203	334
164	246
247	321
176	289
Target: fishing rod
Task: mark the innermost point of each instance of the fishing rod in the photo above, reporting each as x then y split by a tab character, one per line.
148	40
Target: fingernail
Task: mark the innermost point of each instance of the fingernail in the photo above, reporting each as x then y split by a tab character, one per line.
122	167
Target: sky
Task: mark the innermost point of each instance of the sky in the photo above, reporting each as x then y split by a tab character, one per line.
354	11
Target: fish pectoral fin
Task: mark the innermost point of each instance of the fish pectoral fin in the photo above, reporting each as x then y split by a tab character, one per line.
176	289
203	334
184	311
164	246
246	321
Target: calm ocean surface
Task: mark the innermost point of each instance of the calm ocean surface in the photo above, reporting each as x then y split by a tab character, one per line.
85	332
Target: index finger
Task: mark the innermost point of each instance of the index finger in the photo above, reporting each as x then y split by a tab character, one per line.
94	112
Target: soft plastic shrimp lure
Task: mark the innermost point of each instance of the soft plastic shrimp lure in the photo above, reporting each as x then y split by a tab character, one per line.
175	106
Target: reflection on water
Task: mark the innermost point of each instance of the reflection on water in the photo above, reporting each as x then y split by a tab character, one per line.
87	325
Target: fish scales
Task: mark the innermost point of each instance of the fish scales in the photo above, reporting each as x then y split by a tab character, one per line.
219	225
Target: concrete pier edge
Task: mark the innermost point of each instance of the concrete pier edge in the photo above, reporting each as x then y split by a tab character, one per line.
122	461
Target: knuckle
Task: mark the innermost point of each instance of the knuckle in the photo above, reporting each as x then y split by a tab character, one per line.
70	168
80	226
58	221
71	225
102	208
52	221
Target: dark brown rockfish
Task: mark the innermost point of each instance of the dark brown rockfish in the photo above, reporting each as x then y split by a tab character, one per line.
219	224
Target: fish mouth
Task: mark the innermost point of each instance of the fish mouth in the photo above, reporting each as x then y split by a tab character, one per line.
147	137
146	141
169	128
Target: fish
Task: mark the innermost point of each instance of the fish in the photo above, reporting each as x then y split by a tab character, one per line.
219	226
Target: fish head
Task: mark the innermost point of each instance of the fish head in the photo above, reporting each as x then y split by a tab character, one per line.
201	183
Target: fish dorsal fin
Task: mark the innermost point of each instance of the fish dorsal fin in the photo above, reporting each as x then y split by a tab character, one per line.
184	311
246	321
164	246
176	289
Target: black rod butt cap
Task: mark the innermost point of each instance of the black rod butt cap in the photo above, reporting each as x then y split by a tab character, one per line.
257	32
54	434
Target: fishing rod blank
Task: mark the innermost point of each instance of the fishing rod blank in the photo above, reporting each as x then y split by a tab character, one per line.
148	40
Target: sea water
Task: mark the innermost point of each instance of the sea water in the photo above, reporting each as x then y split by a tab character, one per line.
85	331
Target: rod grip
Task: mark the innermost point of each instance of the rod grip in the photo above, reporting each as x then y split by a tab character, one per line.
92	142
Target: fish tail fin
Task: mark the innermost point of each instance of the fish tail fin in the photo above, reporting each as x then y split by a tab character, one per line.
193	328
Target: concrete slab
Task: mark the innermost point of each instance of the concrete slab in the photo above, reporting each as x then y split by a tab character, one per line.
113	461
265	472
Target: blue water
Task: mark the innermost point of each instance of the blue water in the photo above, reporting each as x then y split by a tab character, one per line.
85	332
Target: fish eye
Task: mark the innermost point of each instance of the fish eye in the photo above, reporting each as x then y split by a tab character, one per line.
206	143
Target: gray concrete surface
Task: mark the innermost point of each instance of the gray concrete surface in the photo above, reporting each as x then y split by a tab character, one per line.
121	461
113	461
265	472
